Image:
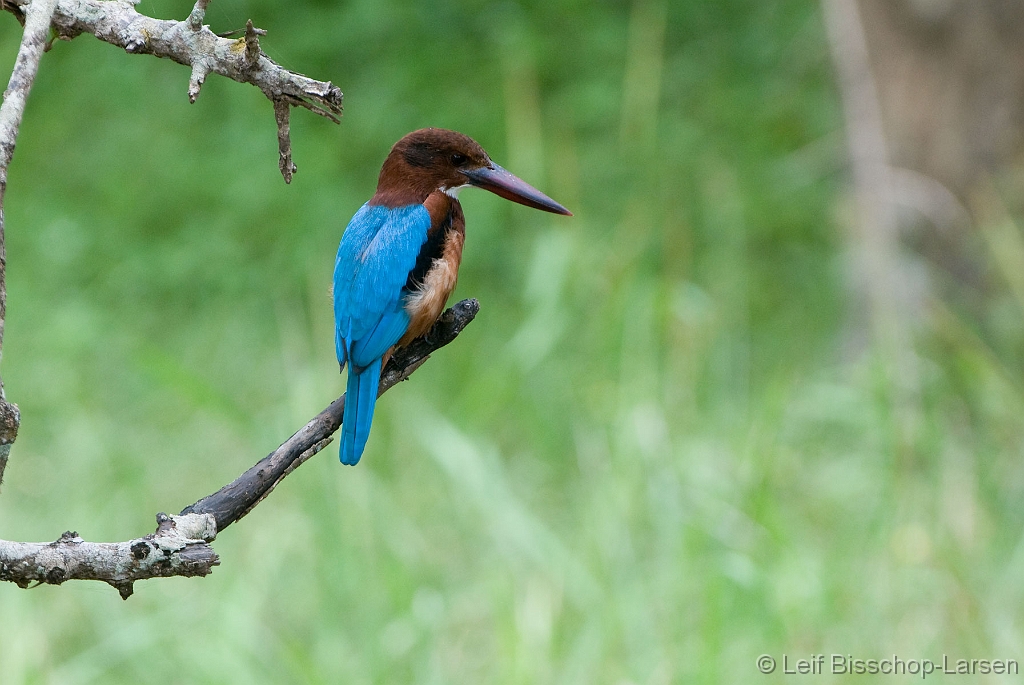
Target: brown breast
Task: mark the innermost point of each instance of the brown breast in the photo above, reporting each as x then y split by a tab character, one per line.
434	279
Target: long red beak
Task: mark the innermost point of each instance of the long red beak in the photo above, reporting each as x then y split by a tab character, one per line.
511	187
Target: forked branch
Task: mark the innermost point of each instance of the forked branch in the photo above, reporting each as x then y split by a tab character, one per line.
180	546
194	45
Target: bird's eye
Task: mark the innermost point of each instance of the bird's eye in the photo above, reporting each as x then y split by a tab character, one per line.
458	160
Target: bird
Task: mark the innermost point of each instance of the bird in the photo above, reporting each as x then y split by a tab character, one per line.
398	260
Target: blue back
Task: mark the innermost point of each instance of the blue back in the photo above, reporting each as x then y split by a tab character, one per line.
376	255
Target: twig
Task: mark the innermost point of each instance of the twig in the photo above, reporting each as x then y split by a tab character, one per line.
179	546
33	42
284	139
193	44
252	43
195	19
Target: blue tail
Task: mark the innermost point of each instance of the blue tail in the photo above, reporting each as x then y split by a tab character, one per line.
360	398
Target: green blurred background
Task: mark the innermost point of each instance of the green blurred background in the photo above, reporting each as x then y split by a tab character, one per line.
664	447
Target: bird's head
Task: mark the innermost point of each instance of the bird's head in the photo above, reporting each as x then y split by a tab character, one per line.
435	159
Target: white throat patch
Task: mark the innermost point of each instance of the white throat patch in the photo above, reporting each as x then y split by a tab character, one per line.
453	193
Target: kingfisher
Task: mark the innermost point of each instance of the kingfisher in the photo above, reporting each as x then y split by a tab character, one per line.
399	258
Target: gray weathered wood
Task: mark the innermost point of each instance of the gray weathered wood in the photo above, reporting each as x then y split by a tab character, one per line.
194	45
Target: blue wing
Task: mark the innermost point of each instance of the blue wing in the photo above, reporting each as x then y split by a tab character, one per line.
377	252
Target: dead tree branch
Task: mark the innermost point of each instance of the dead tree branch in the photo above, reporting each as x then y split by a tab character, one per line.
237	499
33	43
179	547
194	45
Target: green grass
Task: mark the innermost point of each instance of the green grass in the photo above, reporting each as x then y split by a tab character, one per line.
648	461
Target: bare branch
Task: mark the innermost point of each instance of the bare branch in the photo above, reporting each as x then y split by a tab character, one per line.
179	546
193	44
10	420
195	19
236	499
33	43
282	113
252	42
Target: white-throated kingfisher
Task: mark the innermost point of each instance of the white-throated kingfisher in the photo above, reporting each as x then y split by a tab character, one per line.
399	258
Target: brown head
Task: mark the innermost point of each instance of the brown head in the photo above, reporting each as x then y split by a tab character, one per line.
435	159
